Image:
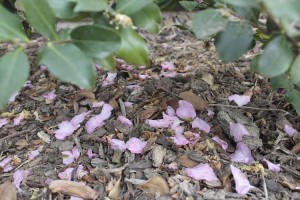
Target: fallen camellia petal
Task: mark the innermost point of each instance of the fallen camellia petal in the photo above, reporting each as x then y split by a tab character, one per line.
128	104
19	175
49	97
98	104
77	119
98	120
242	154
18	119
65	129
161	123
8	191
125	121
210	113
242	185
66	175
105	112
237	131
272	166
223	144
33	154
240	100
168	66
288	129
201	125
90	154
170	111
186	110
202	172
109	80
80	173
135	145
118	145
3	122
178	130
5	165
70	156
180	140
75	198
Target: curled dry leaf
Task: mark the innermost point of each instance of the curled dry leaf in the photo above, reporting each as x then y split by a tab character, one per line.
156	184
72	188
185	161
114	193
8	191
198	102
158	155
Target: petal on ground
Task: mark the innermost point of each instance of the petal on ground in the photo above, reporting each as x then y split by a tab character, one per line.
135	145
118	145
201	125
242	185
240	100
186	110
65	129
242	154
288	129
221	142
77	119
125	121
271	166
237	131
202	172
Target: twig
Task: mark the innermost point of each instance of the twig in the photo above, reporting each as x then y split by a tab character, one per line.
265	187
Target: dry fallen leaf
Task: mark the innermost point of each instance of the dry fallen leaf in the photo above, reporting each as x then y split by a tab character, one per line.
209	79
8	191
72	188
158	155
84	93
21	144
185	161
149	112
114	193
156	184
198	102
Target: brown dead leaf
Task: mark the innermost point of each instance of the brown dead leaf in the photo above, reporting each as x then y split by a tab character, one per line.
185	161
296	148
84	93
156	184
114	193
22	144
198	102
149	112
73	189
225	178
208	78
8	191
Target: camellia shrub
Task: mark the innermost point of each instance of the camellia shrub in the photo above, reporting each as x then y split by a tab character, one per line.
71	54
236	25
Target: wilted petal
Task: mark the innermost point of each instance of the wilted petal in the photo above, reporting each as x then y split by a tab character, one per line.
168	66
128	104
66	175
18	119
118	145
93	123
180	140
28	84
65	129
272	166
5	164
170	111
49	97
210	113
90	154
68	157
201	125
178	130
19	175
135	145
242	185
76	152
77	119
240	100
223	144
125	121
98	104
288	129
186	110
237	131
80	172
33	154
173	166
105	112
159	123
3	122
242	154
75	198
202	172
109	80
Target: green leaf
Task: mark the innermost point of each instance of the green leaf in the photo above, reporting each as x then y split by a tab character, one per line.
293	97
14	71
96	41
107	63
276	57
234	41
68	63
40	15
295	71
207	23
189	5
91	6
133	48
10	27
243	3
63	9
247	12
281	81
144	13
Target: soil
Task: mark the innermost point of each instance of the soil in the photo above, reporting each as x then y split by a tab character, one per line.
114	173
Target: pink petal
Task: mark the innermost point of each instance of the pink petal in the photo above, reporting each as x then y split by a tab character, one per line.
18	119
173	166
49	97
18	178
202	172
43	68
169	74
170	111
109	79
242	185
237	131
77	119
159	123
118	145
105	112
76	152
223	144
135	145
66	175
186	110
288	129
128	104
242	154
133	87
201	125
80	172
33	154
168	66
98	104
125	121
98	120
65	129
210	113
180	140
178	130
3	122
90	154
272	166
68	157
240	100
5	164
143	76
75	198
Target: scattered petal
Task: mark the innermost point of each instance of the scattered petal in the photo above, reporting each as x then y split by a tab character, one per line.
109	80
288	129
178	130
133	87
19	175
98	104
240	100
118	145
237	131
202	172
98	120
33	154
3	122
5	164
75	198
65	129
18	119
221	142
186	110
168	66
242	185
143	76
125	121
70	156
210	113
77	119
180	140
170	111
242	154
135	145
49	97
201	125
90	154
271	166
80	172
128	104
66	175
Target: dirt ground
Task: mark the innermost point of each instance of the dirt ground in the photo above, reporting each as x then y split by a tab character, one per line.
116	175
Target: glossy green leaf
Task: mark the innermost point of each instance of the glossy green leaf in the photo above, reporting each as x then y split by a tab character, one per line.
63	9
295	71
189	5
248	12
107	63
91	6
281	81
234	41
40	15
276	57
133	48
96	41
207	23
293	97
14	71
144	13
10	27
243	3
69	63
